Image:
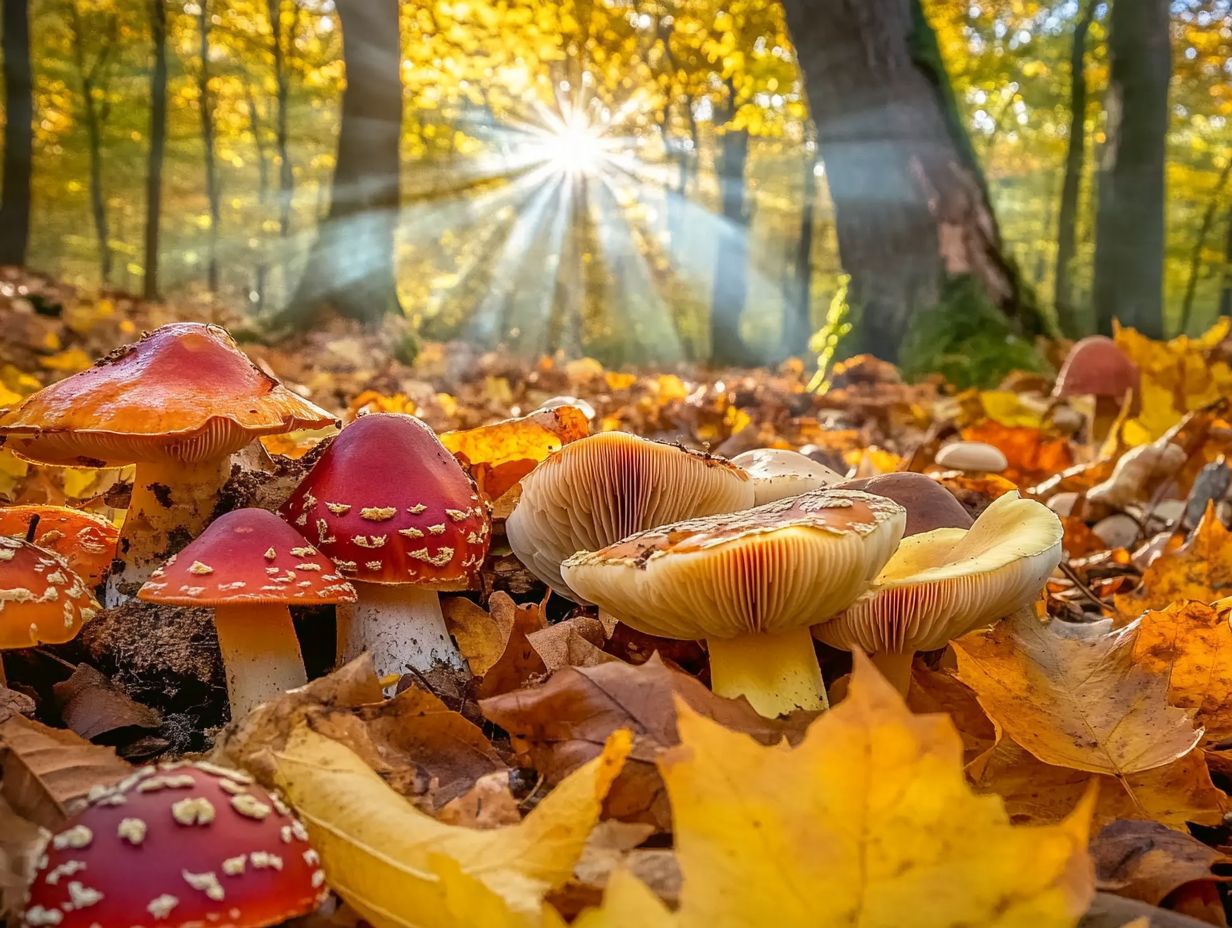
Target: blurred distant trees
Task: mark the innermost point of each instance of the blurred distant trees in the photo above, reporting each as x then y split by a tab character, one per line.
18	131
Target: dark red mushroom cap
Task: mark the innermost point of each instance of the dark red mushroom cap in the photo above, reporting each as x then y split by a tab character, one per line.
1096	366
248	556
178	846
390	504
929	505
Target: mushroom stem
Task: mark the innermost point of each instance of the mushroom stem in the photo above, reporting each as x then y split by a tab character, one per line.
777	674
400	625
171	503
4	681
260	653
895	666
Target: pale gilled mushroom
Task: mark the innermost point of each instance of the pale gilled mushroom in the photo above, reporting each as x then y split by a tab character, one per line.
250	566
942	584
404	522
42	601
177	403
750	583
597	490
177	846
778	473
974	457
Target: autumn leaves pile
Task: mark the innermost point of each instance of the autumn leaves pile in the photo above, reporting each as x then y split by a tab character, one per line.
979	769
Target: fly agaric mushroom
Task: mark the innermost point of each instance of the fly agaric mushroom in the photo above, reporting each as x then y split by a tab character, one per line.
929	505
402	519
177	403
250	566
1096	366
178	846
974	457
942	584
41	600
597	490
750	583
778	473
86	541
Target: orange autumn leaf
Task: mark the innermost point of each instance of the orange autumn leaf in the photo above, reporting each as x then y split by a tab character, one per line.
1198	569
1031	456
501	454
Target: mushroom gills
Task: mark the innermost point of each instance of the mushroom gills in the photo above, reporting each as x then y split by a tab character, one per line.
400	625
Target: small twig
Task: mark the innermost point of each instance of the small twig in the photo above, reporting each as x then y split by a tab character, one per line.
1079	585
32	528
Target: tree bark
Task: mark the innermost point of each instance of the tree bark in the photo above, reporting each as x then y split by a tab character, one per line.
261	271
1195	257
205	101
1129	239
92	78
798	313
911	206
18	132
1225	296
350	269
158	146
1075	158
731	282
282	94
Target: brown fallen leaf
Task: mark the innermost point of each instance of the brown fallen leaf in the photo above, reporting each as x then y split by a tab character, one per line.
1199	568
519	663
1039	793
576	642
1075	702
611	846
562	724
938	691
1191	644
481	636
14	703
488	804
98	710
21	841
46	771
1149	862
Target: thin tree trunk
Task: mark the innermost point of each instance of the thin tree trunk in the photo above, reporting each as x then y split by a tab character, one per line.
1129	239
351	267
798	317
1075	158
282	94
731	281
18	132
1225	296
263	196
158	145
1195	257
205	101
95	117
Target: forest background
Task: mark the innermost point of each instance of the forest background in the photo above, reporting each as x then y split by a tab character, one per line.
643	181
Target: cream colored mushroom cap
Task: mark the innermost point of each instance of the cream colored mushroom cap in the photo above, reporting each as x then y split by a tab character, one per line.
597	490
764	570
778	473
944	583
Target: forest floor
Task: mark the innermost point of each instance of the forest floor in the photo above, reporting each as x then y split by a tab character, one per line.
1071	766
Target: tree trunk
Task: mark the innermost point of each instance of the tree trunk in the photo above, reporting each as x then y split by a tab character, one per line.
731	281
1195	258
95	116
351	267
205	101
1225	296
1075	158
158	145
1129	239
911	206
261	272
798	313
18	132
282	93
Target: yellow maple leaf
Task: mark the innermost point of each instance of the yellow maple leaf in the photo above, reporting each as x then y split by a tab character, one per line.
627	901
1198	569
398	866
868	821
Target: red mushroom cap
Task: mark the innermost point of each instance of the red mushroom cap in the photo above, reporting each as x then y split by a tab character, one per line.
41	599
177	846
390	504
247	556
1096	366
86	541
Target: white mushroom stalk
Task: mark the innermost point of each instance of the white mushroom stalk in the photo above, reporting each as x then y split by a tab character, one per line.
401	626
260	654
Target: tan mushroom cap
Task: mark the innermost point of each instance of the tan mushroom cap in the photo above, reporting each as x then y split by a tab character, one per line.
973	456
41	600
184	392
778	473
600	489
942	584
764	570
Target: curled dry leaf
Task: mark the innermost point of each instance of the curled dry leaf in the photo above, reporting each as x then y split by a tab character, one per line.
14	703
98	710
1146	861
490	803
47	771
564	723
576	642
613	848
867	822
399	867
480	636
1197	569
21	842
519	664
1080	703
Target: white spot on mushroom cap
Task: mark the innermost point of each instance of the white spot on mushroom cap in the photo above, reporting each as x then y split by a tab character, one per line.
77	837
206	883
195	811
131	830
160	906
250	806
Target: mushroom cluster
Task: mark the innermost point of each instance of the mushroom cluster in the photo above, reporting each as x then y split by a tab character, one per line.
179	845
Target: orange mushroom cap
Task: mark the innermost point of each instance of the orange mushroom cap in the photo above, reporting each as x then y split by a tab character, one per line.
247	556
86	541
41	600
183	392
